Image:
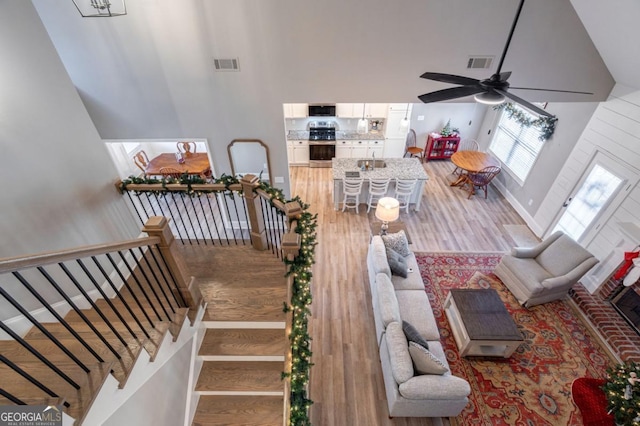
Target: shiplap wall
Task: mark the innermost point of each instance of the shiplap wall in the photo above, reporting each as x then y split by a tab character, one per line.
614	130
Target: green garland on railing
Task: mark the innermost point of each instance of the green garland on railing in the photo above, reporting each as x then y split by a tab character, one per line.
299	268
547	125
185	179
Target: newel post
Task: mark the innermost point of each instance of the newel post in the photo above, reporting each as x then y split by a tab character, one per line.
291	241
158	226
256	220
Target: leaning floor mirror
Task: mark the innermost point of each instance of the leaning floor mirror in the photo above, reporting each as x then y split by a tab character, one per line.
250	156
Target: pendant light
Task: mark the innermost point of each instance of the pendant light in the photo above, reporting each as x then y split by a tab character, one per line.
404	123
363	124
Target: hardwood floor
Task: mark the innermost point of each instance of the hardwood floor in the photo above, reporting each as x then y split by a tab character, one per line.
346	382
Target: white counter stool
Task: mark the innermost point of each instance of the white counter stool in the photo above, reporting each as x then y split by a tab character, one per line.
351	188
377	189
404	189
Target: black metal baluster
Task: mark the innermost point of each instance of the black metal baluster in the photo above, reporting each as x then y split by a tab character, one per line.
186	211
235	206
92	303
126	284
213	218
38	355
135	207
264	215
226	205
11	397
220	212
153	209
44	331
155	279
161	269
204	217
246	215
122	299
135	278
30	378
57	316
195	213
186	230
106	298
173	219
274	229
77	310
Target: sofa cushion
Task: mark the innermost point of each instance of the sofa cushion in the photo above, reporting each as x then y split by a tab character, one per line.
387	302
434	387
399	358
414	335
397	263
398	242
413	280
379	256
562	256
415	308
424	362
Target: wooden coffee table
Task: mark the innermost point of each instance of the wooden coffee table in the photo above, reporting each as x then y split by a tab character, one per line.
481	324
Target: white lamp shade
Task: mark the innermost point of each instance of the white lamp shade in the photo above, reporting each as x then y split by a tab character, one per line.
388	209
363	126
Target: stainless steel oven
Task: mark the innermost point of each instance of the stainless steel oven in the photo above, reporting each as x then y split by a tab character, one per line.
322	144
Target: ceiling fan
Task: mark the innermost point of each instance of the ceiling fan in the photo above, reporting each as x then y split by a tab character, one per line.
492	90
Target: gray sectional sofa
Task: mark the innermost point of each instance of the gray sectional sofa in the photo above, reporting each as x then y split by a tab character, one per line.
396	299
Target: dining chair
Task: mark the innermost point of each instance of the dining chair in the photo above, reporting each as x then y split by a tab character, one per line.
466	145
351	188
377	189
481	179
170	172
141	160
187	148
404	190
411	148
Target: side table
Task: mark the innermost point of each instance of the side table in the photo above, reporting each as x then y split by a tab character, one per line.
393	228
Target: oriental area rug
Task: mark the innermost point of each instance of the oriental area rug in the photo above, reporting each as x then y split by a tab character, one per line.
533	386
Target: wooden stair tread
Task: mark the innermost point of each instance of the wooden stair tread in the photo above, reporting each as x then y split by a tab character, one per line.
265	342
239	410
262	376
242	304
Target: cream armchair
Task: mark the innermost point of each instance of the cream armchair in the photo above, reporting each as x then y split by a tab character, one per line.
545	272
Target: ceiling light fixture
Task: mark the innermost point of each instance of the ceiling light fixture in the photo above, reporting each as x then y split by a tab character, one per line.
100	8
489	98
404	123
363	123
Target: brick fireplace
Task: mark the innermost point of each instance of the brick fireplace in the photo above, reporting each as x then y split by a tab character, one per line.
614	329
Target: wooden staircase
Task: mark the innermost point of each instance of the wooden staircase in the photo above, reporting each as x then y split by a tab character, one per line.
243	349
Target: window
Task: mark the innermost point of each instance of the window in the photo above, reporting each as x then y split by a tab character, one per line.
517	146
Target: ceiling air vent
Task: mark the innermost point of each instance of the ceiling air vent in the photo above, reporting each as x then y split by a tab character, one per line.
479	62
226	64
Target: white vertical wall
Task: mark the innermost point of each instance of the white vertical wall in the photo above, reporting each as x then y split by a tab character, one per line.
613	129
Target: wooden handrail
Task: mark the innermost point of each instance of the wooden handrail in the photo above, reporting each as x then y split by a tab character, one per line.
18	263
213	187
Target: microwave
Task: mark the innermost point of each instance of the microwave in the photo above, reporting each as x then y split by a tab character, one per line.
325	110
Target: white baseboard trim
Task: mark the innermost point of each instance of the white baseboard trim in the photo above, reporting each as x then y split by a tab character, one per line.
530	221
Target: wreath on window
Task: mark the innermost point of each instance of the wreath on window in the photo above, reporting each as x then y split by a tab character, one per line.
546	125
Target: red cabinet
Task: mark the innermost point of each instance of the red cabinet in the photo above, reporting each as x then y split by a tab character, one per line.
441	147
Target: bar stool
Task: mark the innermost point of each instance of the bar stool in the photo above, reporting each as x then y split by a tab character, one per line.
404	190
351	188
377	189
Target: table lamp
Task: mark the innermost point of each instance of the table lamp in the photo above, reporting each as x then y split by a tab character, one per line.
387	210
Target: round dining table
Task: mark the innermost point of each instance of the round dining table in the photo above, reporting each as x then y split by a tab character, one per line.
471	162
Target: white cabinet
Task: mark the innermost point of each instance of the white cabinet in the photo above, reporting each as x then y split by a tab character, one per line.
357	110
295	110
394	147
359	149
298	153
395	134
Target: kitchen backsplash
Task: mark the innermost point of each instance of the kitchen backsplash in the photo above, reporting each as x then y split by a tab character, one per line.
342	124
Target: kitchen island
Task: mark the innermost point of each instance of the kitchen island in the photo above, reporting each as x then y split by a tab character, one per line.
395	168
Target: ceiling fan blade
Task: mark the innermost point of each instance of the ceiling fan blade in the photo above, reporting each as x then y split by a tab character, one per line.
504	76
525	104
451	93
450	78
513	27
551	90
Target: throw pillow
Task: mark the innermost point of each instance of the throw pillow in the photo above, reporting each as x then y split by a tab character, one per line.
398	242
424	361
414	335
397	263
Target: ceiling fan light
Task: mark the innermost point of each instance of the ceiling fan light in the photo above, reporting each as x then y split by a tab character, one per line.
489	98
